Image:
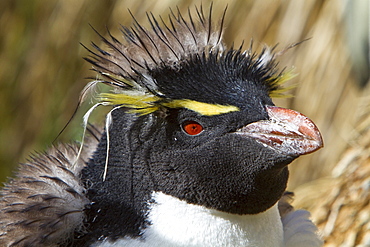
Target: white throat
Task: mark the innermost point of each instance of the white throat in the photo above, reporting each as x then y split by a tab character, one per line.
177	223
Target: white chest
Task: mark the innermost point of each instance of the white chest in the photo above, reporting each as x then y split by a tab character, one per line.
176	223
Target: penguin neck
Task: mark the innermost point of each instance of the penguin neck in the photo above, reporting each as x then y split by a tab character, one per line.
174	222
119	204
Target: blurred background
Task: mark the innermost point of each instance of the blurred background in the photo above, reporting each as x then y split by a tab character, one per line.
42	72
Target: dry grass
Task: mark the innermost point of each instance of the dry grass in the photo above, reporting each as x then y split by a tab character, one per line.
42	70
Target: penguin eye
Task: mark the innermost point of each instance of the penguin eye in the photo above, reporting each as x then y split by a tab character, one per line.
192	128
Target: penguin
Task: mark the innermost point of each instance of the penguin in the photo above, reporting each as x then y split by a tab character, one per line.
193	151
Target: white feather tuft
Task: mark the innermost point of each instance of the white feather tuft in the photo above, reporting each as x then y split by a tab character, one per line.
300	231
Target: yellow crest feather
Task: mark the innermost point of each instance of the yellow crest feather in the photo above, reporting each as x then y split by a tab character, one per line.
205	109
139	103
280	92
145	104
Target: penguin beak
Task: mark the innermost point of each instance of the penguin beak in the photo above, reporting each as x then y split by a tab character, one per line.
286	131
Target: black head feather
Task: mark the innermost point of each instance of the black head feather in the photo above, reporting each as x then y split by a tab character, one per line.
178	61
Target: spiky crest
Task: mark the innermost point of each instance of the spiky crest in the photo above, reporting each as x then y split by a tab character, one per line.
128	66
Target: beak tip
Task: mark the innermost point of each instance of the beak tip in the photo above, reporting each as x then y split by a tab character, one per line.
287	131
309	130
307	137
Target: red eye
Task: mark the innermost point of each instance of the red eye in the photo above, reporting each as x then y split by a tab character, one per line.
192	128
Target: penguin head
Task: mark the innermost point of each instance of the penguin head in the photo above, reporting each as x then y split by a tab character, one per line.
195	120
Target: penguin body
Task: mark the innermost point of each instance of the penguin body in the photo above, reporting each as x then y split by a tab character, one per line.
177	223
194	152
